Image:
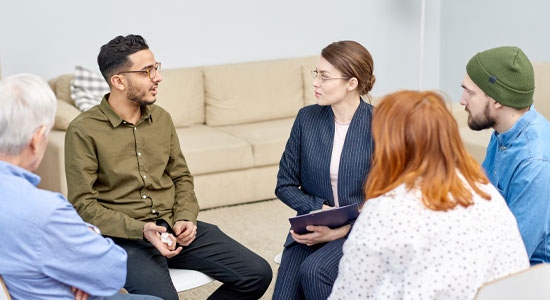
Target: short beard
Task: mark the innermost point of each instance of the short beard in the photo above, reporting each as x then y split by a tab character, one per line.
482	122
137	97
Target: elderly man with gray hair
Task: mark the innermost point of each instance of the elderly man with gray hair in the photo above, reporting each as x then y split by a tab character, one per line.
47	251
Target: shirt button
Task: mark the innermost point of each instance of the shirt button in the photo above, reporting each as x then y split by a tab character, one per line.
135	128
139	153
144	177
144	196
154	211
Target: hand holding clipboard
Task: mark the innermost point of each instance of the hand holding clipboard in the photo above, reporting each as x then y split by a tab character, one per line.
332	218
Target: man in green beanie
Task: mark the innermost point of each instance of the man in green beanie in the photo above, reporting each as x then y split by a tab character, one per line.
498	94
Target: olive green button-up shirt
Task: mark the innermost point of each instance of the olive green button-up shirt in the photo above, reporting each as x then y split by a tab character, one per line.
121	175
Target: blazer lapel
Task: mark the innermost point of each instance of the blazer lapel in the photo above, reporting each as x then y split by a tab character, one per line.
358	143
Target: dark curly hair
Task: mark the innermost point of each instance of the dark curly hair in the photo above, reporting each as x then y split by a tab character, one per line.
113	56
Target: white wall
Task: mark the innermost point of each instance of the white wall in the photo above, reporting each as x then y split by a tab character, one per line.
50	37
471	26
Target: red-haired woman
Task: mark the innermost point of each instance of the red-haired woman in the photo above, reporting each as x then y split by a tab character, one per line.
432	227
325	163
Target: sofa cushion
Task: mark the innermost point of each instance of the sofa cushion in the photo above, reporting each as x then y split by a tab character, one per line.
309	64
309	90
542	88
268	139
236	187
181	93
208	150
62	88
87	88
52	167
459	113
476	142
64	115
251	92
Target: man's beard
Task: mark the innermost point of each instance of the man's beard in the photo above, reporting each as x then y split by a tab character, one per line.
483	121
137	96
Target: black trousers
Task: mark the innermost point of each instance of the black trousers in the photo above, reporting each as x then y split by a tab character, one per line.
244	274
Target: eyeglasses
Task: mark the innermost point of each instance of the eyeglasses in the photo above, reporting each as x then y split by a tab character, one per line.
151	72
315	74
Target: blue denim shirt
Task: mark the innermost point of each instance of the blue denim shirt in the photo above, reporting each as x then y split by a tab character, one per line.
518	165
45	247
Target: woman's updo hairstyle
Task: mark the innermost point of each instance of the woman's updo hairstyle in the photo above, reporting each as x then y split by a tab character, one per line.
352	60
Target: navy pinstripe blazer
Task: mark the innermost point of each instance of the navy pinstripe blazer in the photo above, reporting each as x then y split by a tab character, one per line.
303	182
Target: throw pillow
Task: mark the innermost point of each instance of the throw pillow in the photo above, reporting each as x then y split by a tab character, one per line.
87	88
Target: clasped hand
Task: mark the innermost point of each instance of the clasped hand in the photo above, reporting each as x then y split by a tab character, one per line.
152	232
185	234
79	294
320	234
185	231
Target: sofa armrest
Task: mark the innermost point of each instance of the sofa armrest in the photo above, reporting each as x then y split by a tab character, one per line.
64	115
52	168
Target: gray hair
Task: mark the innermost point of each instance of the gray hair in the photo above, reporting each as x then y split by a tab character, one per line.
26	103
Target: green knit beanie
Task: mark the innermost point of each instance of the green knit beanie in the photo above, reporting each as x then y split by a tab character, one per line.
505	74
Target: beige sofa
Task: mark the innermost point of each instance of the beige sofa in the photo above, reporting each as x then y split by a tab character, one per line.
233	122
476	141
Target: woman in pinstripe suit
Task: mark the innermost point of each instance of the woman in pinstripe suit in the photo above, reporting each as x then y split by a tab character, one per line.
325	164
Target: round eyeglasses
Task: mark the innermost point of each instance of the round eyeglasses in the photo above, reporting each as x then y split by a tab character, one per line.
316	74
151	72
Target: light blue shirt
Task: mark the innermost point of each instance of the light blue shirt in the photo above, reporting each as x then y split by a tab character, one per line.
45	247
518	165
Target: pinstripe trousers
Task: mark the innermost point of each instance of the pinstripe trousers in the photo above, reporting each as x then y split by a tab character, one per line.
308	272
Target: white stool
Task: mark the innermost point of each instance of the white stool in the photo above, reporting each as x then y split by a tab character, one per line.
529	284
188	279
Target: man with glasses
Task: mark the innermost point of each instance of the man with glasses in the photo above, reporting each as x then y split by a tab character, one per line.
127	175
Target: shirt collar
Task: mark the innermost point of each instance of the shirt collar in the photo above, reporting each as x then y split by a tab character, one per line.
508	137
12	170
146	113
114	118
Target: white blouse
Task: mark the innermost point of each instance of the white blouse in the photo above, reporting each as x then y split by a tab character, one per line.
340	131
399	249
